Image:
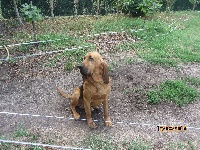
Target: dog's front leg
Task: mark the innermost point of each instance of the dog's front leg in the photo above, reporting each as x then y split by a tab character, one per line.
88	114
106	116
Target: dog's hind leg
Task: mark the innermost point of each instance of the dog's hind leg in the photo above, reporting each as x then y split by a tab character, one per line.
74	102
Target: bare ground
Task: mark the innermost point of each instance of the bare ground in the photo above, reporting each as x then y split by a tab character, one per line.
28	87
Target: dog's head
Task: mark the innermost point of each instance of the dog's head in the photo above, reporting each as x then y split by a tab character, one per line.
93	65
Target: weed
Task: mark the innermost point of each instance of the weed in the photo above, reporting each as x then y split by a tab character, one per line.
136	145
4	146
191	145
176	91
21	132
113	65
95	142
68	66
193	81
130	61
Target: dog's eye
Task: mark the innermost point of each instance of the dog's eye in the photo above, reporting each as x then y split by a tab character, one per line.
91	59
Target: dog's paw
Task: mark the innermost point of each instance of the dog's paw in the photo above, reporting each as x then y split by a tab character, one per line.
76	116
108	123
91	124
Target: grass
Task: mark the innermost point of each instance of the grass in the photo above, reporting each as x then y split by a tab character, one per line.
193	81
156	44
181	45
94	142
98	142
18	134
176	91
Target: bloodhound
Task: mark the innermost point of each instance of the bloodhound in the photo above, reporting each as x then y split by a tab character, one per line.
94	90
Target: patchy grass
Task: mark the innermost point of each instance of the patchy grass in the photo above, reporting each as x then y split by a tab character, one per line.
98	142
136	145
176	91
193	81
163	40
19	134
180	45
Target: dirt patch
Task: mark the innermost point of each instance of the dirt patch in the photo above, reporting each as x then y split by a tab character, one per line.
30	89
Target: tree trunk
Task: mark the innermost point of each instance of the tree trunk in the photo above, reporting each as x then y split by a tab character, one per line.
75	7
17	12
98	7
194	5
51	7
34	29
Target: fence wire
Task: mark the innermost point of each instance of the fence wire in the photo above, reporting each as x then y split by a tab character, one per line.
70	118
41	145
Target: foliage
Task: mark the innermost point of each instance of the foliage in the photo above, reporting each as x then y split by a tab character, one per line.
31	13
194	3
137	7
176	91
169	4
150	7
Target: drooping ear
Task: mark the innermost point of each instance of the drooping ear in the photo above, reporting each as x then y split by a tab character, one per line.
105	73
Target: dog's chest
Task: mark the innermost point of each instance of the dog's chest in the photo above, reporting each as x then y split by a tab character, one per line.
98	97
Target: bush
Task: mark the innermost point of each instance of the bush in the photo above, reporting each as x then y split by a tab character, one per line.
137	7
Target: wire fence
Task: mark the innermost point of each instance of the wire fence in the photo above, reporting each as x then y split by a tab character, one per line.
58	51
43	53
70	118
41	145
89	35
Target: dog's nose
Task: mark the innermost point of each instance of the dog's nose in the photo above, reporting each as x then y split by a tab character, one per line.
80	66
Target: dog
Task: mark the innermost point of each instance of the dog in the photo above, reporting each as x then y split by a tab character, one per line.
94	90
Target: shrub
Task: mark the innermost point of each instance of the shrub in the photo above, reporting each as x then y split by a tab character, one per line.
137	7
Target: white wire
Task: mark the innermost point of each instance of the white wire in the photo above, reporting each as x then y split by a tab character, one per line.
39	144
62	117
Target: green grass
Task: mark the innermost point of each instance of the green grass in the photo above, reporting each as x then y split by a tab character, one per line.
70	59
156	43
21	132
136	145
193	81
95	142
176	91
181	45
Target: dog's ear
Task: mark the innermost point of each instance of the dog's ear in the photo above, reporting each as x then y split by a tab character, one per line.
105	73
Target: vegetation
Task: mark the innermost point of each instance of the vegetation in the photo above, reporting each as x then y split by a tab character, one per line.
173	91
137	7
31	14
94	142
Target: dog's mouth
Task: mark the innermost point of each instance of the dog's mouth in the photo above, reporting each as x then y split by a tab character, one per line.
83	70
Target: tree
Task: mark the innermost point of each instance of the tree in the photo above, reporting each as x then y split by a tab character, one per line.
169	4
51	6
194	3
137	7
76	7
17	12
96	4
31	14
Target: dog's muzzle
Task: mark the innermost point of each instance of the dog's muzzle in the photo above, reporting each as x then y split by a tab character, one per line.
83	70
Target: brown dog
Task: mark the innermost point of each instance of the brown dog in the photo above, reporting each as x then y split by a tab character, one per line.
95	89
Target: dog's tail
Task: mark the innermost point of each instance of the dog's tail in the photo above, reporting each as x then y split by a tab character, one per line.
62	93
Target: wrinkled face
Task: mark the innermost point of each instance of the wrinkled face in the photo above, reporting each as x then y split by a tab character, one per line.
93	65
91	61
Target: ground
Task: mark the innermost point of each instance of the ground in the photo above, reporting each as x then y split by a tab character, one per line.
29	88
